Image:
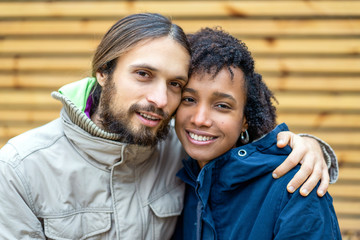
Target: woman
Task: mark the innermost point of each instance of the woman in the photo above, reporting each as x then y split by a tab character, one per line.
226	123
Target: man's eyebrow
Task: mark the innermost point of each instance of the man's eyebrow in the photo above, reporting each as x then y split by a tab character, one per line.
224	95
143	65
147	66
182	78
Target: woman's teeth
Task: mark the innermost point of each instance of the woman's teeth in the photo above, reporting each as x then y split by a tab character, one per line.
200	138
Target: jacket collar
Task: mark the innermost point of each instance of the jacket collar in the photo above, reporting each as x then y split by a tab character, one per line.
73	97
236	166
91	141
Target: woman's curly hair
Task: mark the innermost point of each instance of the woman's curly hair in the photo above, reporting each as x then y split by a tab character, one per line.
212	50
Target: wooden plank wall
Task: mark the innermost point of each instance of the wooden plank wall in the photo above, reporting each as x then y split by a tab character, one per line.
308	52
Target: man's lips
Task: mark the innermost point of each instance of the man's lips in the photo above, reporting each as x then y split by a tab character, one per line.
148	116
149	119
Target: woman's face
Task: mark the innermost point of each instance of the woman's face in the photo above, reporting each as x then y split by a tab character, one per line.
210	117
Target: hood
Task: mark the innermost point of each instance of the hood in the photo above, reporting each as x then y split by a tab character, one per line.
78	92
240	164
74	97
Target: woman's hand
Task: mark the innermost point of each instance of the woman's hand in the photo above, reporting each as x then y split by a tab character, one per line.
308	153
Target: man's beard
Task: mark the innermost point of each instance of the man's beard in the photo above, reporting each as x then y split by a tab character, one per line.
120	122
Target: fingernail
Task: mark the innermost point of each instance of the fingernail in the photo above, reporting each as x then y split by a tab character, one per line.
291	189
321	193
281	141
275	175
304	192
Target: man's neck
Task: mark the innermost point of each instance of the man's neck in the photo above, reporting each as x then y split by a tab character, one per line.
95	117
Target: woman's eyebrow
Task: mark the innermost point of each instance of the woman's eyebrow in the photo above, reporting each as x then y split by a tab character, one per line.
224	95
189	90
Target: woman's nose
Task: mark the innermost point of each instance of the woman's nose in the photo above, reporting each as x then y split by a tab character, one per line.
201	117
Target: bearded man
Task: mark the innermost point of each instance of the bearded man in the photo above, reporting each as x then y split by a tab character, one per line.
106	168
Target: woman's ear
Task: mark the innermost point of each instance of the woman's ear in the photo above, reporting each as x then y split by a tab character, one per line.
101	78
245	125
244	128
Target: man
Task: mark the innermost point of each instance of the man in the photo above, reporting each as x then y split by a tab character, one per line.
106	168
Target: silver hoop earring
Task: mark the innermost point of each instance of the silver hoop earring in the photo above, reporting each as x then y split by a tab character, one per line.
244	137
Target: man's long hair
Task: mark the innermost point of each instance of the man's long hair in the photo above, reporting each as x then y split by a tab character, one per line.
124	35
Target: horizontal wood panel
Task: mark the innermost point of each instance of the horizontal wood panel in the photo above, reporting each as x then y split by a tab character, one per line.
344	156
352	138
308	65
342	190
180	8
320	120
3	141
275	83
286	101
350	224
348	156
347	207
313	83
45	64
342	138
324	102
27	99
306	121
347	173
238	26
277	65
48	46
27	116
327	46
7	132
38	80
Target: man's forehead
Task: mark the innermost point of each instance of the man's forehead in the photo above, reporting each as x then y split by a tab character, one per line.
160	54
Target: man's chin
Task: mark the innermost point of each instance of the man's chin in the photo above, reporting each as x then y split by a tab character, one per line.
143	136
138	133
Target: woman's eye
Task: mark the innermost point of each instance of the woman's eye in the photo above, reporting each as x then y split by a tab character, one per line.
187	100
223	106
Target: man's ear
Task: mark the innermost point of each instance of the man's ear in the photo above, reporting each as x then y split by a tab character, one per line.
101	78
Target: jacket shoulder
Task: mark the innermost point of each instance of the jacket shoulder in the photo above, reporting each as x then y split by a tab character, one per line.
31	141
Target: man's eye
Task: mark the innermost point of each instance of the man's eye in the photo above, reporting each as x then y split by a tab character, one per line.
143	73
176	84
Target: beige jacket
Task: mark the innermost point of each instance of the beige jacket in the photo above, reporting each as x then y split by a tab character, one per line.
60	182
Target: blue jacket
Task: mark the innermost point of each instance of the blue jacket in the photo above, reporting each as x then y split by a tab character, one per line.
235	197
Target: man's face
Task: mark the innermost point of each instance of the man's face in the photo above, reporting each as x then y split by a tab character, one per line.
144	90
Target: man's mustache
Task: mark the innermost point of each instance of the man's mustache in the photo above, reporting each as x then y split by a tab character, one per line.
149	108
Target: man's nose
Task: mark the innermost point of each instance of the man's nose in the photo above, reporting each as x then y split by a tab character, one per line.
158	95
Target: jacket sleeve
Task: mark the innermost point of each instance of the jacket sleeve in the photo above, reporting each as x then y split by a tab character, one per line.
17	218
330	157
306	218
